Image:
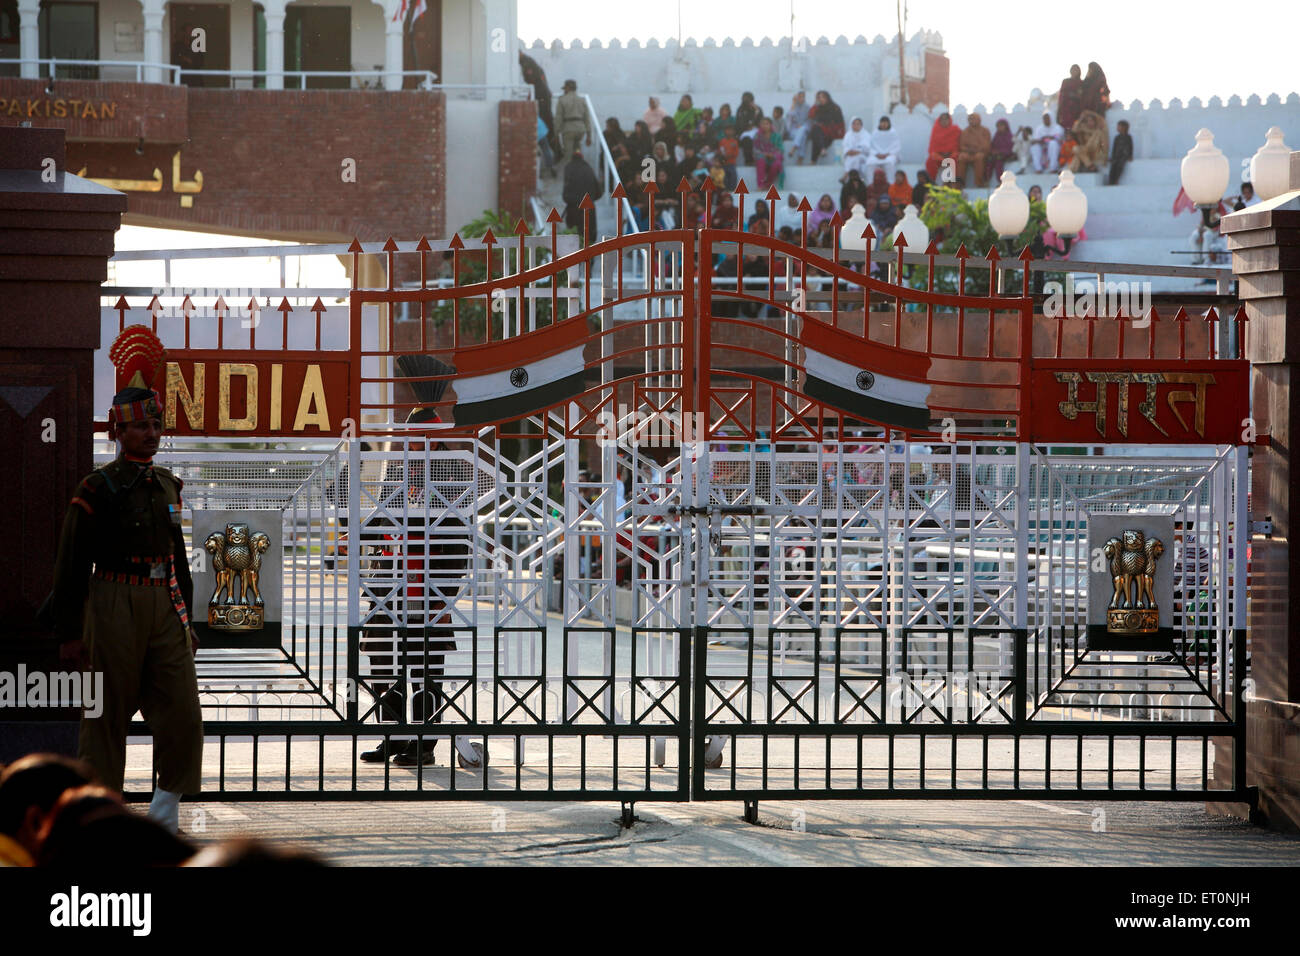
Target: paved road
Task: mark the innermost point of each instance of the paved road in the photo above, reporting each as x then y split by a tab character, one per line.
891	833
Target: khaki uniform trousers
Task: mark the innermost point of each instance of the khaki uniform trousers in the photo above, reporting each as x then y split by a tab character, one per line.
134	638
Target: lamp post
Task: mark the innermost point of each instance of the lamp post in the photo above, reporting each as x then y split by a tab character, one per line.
913	229
1067	208
1008	209
1204	173
1270	167
914	232
851	238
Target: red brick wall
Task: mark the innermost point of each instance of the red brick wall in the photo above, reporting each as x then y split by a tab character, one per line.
516	154
271	159
934	88
98	111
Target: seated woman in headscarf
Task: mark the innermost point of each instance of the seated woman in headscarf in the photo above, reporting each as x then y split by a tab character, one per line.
922	189
853	192
700	135
667	133
640	142
883	217
945	137
654	116
857	146
747	113
1002	150
687	114
1096	93
900	192
725	213
974	146
879	187
827	123
724	120
664	160
769	154
823	213
1091	143
885	150
616	140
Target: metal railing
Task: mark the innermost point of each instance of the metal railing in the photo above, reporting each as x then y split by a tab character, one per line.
54	64
358	79
171	74
607	170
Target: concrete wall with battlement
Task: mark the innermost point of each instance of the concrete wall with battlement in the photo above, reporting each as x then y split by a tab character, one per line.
859	73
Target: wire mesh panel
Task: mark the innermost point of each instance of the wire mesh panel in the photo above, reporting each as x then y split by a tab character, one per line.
907	620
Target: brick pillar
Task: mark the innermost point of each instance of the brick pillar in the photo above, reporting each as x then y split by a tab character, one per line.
516	155
56	236
1265	244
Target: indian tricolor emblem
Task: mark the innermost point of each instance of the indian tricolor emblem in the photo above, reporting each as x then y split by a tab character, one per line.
503	380
875	382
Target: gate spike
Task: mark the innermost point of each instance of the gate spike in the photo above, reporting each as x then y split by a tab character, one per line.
1241	318
1153	316
1212	318
390	247
423	248
1025	258
772	195
355	249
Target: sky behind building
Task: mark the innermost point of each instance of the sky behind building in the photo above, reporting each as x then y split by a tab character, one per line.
999	52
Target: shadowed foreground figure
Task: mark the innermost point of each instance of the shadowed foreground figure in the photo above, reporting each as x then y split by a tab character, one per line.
29	789
121	606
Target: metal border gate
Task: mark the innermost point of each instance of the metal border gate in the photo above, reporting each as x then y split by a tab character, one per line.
689	578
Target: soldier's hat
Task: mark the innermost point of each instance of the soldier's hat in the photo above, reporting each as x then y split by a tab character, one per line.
135	405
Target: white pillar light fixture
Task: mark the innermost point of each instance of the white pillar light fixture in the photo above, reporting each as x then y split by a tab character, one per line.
851	232
1270	167
1204	173
1067	208
1008	208
912	229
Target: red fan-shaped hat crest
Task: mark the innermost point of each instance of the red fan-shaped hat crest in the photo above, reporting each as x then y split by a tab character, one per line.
139	357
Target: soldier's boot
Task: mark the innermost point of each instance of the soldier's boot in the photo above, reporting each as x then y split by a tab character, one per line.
416	752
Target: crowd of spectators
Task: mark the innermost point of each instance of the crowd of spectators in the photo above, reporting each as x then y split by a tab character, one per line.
696	142
54	813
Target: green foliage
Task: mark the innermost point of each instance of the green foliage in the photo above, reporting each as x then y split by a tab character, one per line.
949	212
499	221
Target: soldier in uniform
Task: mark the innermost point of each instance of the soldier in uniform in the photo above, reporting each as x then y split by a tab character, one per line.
121	606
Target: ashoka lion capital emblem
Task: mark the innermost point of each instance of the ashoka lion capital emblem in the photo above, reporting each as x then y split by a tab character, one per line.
237	562
1132	563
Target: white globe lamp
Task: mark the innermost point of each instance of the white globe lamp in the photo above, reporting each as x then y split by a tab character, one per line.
1067	208
1270	167
1204	173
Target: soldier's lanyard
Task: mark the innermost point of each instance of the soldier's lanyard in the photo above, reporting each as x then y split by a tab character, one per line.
173	585
178	599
